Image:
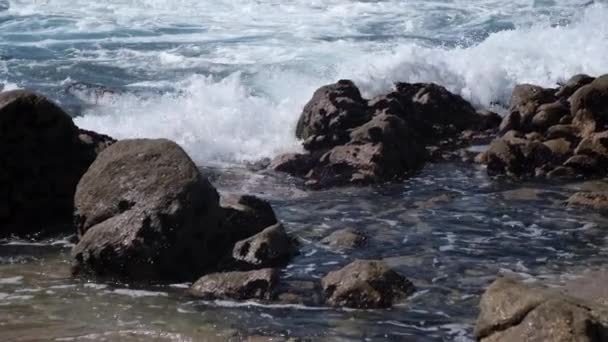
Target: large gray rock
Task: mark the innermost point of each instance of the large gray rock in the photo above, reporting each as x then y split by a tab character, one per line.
258	284
513	311
365	284
343	239
144	211
594	200
42	157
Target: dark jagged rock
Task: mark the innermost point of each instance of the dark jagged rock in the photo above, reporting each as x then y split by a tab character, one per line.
42	157
354	141
259	284
144	212
571	124
513	311
245	215
345	239
332	110
272	247
365	284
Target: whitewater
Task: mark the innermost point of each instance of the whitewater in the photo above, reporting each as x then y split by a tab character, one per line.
227	79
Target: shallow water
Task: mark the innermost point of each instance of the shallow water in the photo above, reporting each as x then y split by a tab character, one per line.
451	248
227	80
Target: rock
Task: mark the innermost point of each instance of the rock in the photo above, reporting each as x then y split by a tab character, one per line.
365	284
437	106
595	200
562	172
589	286
572	85
333	110
594	145
294	164
516	156
583	164
42	157
548	115
345	239
526	98
270	248
511	121
534	136
300	292
560	148
144	212
589	106
569	132
243	216
488	120
513	311
258	284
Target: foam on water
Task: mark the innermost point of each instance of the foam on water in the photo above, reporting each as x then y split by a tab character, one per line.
228	79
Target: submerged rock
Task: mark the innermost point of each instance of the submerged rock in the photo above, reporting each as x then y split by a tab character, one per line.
513	311
365	284
42	157
595	200
345	239
258	284
144	211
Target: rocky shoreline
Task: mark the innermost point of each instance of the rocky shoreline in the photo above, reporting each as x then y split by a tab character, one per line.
142	210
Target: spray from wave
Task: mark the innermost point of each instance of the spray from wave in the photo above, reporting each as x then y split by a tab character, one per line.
239	99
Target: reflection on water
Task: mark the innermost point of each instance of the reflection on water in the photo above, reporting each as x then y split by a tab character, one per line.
451	230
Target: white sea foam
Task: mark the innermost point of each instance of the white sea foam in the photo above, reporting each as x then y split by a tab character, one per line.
239	72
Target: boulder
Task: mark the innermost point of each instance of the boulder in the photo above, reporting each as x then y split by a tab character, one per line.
436	106
365	284
42	157
560	148
257	284
589	106
295	164
513	311
526	98
245	215
272	247
333	110
516	156
569	132
548	115
488	120
572	85
345	239
145	212
594	200
594	145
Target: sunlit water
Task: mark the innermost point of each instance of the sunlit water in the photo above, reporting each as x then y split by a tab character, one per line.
227	80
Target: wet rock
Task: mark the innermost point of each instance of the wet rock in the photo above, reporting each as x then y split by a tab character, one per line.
548	115
144	212
594	145
510	122
42	157
562	172
333	109
573	84
569	132
272	247
299	292
595	200
245	215
560	148
589	106
347	238
583	164
513	311
516	156
437	106
488	120
589	286
293	163
258	284
435	201
526	98
365	284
